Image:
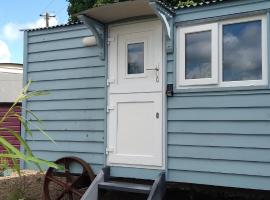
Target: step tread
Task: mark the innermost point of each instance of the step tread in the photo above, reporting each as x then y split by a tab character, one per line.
126	187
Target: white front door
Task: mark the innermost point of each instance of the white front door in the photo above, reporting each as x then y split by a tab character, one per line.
135	115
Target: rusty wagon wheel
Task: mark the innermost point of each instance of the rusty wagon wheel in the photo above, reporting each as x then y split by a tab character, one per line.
70	183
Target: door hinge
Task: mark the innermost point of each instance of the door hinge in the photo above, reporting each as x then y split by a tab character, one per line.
109	108
110	81
110	40
109	150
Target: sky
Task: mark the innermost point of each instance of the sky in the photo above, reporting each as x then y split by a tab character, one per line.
242	51
23	14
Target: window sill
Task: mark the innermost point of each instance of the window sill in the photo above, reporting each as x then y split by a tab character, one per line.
215	90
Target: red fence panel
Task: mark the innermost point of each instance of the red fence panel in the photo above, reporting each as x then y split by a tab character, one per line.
11	123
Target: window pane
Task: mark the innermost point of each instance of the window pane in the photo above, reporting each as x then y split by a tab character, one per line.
136	58
242	51
198	55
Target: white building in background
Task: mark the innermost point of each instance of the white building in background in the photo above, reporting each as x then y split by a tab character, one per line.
11	75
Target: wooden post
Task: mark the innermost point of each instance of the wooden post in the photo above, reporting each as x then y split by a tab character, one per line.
47	17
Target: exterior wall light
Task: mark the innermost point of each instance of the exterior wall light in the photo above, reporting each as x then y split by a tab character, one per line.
89	41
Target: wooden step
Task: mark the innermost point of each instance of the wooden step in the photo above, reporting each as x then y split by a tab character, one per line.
102	181
125	187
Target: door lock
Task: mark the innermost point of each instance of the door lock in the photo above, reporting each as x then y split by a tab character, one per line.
157	115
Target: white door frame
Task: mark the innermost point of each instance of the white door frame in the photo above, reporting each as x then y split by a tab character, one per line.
164	101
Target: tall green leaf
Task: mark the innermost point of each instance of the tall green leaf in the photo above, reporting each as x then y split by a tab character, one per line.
12	152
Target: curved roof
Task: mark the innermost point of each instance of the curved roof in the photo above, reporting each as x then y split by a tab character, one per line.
119	11
144	11
11	81
14	68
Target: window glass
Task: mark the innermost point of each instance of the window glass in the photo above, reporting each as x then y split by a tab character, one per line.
135	58
198	55
242	51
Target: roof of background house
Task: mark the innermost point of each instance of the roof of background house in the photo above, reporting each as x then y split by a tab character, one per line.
12	68
16	65
11	81
185	6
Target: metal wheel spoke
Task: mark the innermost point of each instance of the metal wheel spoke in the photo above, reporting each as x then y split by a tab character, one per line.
57	181
77	192
77	180
61	195
67	173
70	196
71	183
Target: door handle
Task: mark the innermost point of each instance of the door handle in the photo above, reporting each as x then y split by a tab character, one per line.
156	69
153	69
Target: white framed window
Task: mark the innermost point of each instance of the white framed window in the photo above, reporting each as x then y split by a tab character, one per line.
136	52
243	52
135	58
198	59
226	53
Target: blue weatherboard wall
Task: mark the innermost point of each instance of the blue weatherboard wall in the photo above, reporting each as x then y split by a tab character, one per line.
216	136
73	113
219	136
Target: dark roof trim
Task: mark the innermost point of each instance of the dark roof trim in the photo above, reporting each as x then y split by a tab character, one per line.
14	64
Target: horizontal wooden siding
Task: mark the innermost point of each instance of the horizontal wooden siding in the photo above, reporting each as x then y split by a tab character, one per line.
73	112
218	137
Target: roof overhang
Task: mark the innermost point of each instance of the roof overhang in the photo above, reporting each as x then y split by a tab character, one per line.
119	11
96	18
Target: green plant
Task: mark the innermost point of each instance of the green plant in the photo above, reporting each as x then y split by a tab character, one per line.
11	152
3	165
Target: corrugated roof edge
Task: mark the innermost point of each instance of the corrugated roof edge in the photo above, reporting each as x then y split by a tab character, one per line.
204	3
186	6
51	27
165	5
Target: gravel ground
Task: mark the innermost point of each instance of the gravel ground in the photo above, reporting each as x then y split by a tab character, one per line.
28	185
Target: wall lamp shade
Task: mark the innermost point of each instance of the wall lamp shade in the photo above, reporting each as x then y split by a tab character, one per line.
89	41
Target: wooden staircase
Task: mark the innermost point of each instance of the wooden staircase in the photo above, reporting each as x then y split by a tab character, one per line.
103	181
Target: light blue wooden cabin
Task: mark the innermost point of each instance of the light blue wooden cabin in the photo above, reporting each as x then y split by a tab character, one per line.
144	88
